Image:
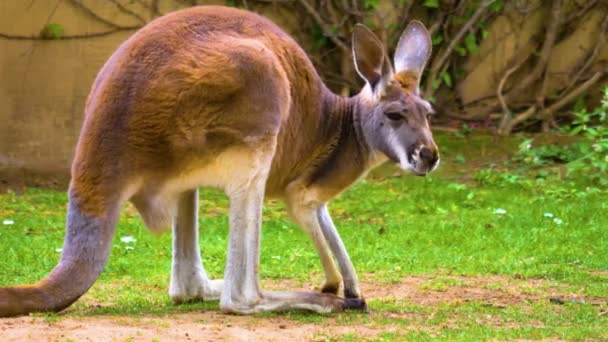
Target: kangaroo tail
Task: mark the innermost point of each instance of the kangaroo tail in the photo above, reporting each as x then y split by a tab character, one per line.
85	253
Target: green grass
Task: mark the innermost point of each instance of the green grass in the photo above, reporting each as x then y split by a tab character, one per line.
394	226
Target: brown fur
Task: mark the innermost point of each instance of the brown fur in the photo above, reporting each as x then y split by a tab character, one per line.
187	88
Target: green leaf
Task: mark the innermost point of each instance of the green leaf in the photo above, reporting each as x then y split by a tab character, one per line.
470	41
496	6
371	4
431	3
484	34
447	78
437	39
319	40
436	83
461	51
52	31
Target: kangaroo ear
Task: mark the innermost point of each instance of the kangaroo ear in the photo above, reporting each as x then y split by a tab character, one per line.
414	49
369	56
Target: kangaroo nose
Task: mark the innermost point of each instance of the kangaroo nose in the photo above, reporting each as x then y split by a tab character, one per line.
429	156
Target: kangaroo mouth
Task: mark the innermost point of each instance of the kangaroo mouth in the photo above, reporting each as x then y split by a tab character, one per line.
417	167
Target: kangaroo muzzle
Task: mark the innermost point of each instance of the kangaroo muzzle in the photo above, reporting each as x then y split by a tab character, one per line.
424	159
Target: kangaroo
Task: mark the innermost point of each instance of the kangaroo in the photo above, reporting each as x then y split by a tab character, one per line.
221	97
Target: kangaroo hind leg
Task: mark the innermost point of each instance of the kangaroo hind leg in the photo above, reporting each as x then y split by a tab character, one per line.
189	281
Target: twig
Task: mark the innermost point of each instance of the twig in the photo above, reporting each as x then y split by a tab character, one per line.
438	23
548	113
573	94
520	6
94	15
405	12
315	15
70	37
438	62
599	44
506	112
521	117
355	9
124	9
581	12
545	53
48	19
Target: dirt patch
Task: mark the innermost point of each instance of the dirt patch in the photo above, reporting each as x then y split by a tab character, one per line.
425	291
195	326
430	290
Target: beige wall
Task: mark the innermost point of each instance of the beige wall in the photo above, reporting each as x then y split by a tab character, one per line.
44	84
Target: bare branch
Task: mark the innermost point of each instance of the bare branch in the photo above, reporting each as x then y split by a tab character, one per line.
550	37
440	60
586	7
94	15
578	91
127	11
548	113
506	112
405	12
601	40
70	37
326	30
519	118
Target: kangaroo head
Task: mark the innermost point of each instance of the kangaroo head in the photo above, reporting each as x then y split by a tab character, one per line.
394	118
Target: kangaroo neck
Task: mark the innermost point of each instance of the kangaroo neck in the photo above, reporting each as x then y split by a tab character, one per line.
347	156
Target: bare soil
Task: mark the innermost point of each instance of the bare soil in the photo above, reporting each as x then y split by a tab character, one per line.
213	326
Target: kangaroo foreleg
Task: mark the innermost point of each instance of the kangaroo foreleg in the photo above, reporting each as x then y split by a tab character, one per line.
307	218
189	281
351	282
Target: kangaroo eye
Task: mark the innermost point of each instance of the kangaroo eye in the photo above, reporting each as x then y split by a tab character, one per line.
394	116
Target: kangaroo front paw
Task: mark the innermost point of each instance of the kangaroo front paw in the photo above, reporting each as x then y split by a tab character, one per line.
352	292
355	304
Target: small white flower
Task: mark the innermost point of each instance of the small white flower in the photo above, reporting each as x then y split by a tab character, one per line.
128	239
500	211
8	222
58	250
597	147
129	248
558	220
548	215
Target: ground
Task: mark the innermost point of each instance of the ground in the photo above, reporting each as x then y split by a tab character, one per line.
431	292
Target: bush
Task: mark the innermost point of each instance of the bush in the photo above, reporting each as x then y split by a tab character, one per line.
587	157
